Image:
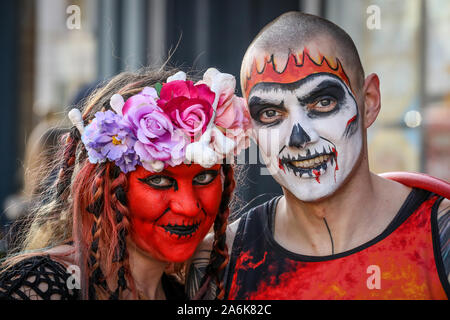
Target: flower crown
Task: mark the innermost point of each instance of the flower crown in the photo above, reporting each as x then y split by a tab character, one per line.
168	124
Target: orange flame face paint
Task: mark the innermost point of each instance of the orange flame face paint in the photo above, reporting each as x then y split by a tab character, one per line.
297	67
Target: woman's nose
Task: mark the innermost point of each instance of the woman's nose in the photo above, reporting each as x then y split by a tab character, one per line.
185	202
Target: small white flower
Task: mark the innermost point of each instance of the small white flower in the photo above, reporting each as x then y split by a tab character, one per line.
116	102
207	152
201	153
157	165
77	119
180	75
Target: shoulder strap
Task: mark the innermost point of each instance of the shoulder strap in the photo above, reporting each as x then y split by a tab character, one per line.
250	233
420	180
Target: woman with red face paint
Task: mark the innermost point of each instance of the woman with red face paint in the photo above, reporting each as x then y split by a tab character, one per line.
142	179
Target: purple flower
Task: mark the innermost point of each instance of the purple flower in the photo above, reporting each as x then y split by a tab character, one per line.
157	139
107	137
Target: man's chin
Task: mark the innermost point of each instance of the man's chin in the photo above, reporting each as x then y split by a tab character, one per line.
308	190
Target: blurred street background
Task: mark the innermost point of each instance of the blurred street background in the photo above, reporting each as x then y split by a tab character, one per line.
55	51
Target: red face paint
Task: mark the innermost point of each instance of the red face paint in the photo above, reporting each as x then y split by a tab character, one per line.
336	159
280	165
172	211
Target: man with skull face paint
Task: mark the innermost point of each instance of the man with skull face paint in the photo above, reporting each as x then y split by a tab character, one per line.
339	231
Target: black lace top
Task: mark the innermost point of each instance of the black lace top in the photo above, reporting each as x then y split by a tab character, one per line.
41	278
36	278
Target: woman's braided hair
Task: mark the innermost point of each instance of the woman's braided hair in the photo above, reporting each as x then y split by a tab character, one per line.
219	256
106	242
102	232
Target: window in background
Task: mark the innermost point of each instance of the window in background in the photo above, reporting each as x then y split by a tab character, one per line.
437	96
65	55
410	54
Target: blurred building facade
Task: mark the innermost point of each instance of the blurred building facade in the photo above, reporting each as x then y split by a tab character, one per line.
53	48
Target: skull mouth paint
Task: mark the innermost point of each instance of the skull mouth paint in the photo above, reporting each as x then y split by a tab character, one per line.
307	130
311	165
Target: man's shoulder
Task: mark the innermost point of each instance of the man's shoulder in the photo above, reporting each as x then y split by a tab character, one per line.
420	181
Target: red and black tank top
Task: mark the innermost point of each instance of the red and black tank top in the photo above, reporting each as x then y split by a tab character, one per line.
403	262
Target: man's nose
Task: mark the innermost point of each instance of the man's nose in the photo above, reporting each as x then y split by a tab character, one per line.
301	136
185	202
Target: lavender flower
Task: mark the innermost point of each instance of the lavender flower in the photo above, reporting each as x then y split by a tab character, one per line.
107	137
157	139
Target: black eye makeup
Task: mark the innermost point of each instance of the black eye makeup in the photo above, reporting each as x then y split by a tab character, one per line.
323	105
160	182
266	113
205	177
163	182
324	100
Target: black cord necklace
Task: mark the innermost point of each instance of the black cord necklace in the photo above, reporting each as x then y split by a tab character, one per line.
331	237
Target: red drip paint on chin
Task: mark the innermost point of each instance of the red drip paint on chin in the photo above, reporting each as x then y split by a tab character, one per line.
336	159
317	174
280	165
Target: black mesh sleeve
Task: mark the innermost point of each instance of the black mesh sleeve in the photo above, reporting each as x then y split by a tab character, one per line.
36	278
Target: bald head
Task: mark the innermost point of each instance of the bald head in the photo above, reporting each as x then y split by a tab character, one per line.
291	36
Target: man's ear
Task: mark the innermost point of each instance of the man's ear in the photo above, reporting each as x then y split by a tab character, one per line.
372	99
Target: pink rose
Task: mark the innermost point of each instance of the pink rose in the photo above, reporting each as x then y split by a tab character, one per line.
157	139
231	113
189	106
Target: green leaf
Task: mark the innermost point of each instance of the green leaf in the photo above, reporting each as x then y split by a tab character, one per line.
158	88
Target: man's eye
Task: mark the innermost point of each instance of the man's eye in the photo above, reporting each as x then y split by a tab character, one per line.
269	116
323	105
159	182
205	177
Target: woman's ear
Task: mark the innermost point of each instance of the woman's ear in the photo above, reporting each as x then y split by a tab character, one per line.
372	99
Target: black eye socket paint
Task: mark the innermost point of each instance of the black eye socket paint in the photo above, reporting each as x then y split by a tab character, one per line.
258	105
313	113
326	88
331	88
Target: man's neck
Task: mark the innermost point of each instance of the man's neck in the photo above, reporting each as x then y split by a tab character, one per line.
359	211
